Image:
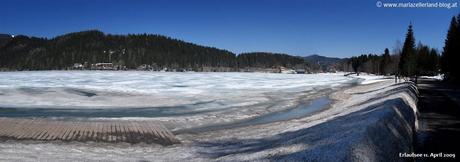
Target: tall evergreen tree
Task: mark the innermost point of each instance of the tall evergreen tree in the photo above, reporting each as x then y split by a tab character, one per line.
449	47
424	65
407	63
433	61
385	62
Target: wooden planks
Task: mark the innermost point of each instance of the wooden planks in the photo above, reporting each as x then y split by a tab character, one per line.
97	131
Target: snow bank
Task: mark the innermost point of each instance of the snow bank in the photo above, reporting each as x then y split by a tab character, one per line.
437	77
372	122
370	78
385	129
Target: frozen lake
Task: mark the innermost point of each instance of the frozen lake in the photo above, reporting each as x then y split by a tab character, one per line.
132	94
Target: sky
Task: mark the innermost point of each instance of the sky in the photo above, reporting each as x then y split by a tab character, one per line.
335	28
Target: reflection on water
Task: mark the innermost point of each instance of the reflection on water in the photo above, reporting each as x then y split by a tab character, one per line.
301	110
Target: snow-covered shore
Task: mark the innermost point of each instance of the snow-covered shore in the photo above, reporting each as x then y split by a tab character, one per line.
370	78
373	121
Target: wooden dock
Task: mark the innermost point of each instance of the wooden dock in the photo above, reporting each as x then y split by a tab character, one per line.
97	131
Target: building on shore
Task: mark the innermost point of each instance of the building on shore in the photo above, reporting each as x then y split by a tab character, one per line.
285	70
300	71
103	66
78	66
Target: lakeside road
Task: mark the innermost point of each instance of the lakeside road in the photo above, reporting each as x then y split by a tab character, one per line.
439	119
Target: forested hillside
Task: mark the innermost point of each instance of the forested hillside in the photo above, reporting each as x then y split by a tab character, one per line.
268	60
128	51
4	39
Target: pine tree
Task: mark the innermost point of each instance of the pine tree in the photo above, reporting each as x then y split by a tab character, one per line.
433	61
385	62
456	52
407	63
448	54
423	64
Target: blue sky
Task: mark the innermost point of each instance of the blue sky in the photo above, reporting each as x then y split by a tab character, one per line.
335	28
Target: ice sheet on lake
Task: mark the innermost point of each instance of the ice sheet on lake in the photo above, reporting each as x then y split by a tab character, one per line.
138	89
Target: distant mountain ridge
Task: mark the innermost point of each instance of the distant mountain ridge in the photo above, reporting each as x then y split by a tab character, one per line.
324	63
317	59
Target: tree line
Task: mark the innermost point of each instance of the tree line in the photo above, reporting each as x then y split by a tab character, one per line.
268	60
451	52
417	60
413	60
383	64
130	51
409	61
